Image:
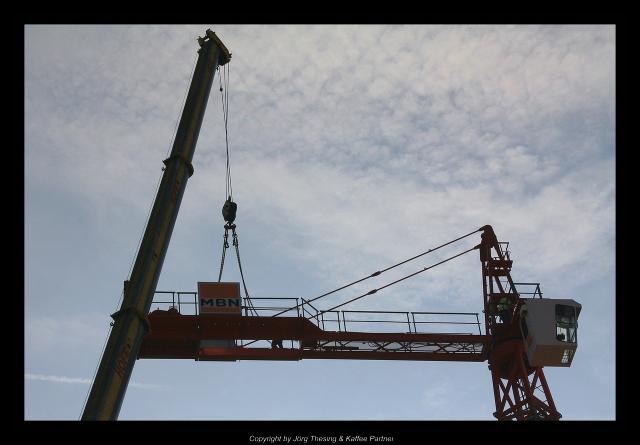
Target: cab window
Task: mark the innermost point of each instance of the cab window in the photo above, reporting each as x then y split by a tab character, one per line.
566	323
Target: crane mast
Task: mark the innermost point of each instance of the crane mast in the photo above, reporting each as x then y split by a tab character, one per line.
130	322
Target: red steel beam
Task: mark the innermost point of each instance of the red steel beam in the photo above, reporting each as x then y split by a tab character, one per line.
175	336
301	354
231	327
239	353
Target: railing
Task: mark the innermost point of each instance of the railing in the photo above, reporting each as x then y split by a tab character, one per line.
291	309
533	288
399	321
186	303
504	249
176	302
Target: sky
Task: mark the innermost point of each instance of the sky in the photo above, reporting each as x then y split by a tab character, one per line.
352	148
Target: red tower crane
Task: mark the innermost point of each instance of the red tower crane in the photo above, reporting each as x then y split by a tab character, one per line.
518	341
522	331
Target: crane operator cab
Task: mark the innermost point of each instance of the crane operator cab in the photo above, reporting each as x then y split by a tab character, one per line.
550	330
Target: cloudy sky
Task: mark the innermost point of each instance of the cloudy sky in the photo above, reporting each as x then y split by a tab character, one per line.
352	148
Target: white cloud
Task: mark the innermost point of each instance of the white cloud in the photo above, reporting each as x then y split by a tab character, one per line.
317	108
352	147
83	381
57	379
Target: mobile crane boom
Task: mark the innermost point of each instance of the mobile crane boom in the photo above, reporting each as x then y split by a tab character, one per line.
130	321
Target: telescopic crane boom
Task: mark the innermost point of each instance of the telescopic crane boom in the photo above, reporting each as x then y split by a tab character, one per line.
130	321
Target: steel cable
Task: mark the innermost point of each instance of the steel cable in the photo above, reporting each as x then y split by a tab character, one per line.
373	291
380	272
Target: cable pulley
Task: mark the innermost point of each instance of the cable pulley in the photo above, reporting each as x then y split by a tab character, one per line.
229	210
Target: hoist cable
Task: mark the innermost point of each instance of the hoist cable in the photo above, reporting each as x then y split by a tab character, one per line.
226	120
373	291
379	272
226	131
224	97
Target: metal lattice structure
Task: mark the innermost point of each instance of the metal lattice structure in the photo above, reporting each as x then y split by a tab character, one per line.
516	393
305	339
521	391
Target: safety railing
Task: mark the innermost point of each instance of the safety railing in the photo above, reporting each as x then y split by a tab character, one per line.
504	249
186	303
400	321
528	289
177	301
268	307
